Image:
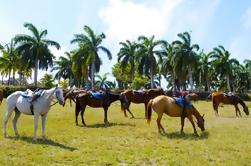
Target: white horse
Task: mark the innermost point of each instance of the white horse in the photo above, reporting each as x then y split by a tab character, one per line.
41	106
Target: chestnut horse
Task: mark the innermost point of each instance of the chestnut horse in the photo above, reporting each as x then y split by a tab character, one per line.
1	96
219	97
165	104
84	99
139	97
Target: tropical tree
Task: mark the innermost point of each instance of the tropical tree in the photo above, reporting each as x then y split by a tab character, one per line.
223	64
103	83
63	66
47	81
167	67
87	53
34	49
147	56
9	61
127	55
185	55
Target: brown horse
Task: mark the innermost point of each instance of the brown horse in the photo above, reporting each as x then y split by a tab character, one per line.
219	97
139	97
84	99
164	104
71	94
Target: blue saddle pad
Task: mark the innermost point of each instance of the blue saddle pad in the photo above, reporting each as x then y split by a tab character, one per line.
98	95
182	102
138	91
26	95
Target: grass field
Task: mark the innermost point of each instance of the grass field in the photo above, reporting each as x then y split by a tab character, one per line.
227	140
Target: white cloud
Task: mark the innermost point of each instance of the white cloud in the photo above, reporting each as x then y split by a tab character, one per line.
128	19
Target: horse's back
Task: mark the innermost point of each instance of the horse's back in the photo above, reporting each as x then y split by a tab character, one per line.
167	105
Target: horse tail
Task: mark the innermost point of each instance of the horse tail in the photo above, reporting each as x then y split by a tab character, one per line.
149	111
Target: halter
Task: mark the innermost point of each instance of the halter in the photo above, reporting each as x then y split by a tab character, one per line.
56	97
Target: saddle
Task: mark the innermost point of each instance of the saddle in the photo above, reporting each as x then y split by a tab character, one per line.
98	95
32	96
182	102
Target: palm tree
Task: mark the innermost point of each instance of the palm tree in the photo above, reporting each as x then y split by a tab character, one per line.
205	69
127	55
167	67
147	56
223	64
34	49
63	66
9	60
103	83
185	54
87	53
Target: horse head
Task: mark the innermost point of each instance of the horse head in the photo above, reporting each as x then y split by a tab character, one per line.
192	96
59	95
200	122
245	109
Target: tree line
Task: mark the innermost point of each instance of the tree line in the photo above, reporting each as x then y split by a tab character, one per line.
141	63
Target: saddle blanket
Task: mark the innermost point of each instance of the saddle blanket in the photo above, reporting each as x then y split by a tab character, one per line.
138	91
182	102
98	95
29	94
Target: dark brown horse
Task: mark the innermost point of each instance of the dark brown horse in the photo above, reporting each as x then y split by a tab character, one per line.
219	97
84	99
1	96
71	94
139	97
167	105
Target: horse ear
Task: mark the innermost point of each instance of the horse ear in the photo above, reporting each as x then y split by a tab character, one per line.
203	115
56	85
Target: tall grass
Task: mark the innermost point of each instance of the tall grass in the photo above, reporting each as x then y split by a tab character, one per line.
128	141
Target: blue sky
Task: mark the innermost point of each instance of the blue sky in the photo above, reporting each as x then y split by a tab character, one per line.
211	22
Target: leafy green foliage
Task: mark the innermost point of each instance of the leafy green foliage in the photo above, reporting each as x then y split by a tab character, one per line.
47	81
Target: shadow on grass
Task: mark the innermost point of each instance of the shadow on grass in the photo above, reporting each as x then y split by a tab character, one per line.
43	142
102	125
177	135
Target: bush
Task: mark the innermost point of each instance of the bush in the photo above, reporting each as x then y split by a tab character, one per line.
7	90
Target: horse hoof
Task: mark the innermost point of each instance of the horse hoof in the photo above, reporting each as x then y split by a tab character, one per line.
5	135
182	133
196	134
17	135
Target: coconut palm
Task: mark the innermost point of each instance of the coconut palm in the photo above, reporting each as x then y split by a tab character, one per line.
34	49
63	66
87	53
103	83
127	55
223	64
186	55
148	56
9	60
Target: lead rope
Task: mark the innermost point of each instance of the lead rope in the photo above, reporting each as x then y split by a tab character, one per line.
54	104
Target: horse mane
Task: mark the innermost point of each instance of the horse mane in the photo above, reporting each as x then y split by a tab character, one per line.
240	101
195	112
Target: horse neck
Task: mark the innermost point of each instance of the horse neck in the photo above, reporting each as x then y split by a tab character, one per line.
241	102
49	93
196	113
113	97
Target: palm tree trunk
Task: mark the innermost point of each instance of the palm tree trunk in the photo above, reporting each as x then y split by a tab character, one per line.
208	84
9	77
35	72
132	72
228	83
151	75
13	73
190	77
92	75
173	80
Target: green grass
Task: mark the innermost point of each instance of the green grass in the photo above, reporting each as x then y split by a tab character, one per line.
128	141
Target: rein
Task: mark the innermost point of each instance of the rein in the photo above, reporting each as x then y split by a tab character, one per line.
54	104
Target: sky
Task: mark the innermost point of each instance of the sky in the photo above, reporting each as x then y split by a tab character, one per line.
210	22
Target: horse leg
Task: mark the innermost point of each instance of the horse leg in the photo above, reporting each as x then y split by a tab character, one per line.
14	121
146	110
77	110
237	110
82	115
160	127
132	116
182	118
216	109
7	116
35	126
43	126
190	117
105	119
